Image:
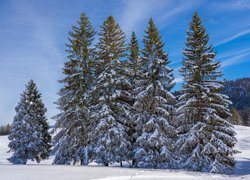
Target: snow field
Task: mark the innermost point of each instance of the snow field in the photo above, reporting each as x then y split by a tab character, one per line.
45	170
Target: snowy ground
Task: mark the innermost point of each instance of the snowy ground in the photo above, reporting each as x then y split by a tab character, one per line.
44	170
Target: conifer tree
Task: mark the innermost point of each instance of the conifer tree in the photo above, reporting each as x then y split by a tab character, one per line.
29	137
134	56
135	77
73	123
154	105
206	138
111	96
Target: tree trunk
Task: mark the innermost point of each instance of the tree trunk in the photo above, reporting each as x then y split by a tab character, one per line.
133	163
106	164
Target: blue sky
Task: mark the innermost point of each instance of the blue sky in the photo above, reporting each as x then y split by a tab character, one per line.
33	34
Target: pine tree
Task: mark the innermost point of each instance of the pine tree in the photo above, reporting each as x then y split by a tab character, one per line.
206	138
135	78
111	97
154	105
29	137
73	123
134	56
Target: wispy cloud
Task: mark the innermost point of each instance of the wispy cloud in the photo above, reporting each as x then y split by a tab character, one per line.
233	37
178	9
230	54
233	4
235	58
136	12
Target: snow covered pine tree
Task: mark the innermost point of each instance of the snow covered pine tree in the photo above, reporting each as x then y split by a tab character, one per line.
111	97
206	137
154	105
135	77
29	137
73	124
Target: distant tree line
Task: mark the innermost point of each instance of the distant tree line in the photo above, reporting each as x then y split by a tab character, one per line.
239	93
4	130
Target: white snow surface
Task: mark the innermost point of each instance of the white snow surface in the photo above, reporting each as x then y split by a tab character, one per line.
45	170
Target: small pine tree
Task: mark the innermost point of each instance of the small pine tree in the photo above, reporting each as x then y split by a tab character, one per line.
154	105
29	137
206	138
111	97
73	123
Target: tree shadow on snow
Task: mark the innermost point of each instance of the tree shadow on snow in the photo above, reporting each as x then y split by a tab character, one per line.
242	167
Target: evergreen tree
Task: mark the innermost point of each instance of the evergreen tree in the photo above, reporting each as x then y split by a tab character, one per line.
29	136
111	96
206	138
134	56
135	78
154	105
73	123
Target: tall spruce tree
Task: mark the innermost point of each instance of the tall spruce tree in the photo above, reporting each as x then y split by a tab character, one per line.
206	138
111	97
73	123
29	137
154	105
134	74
